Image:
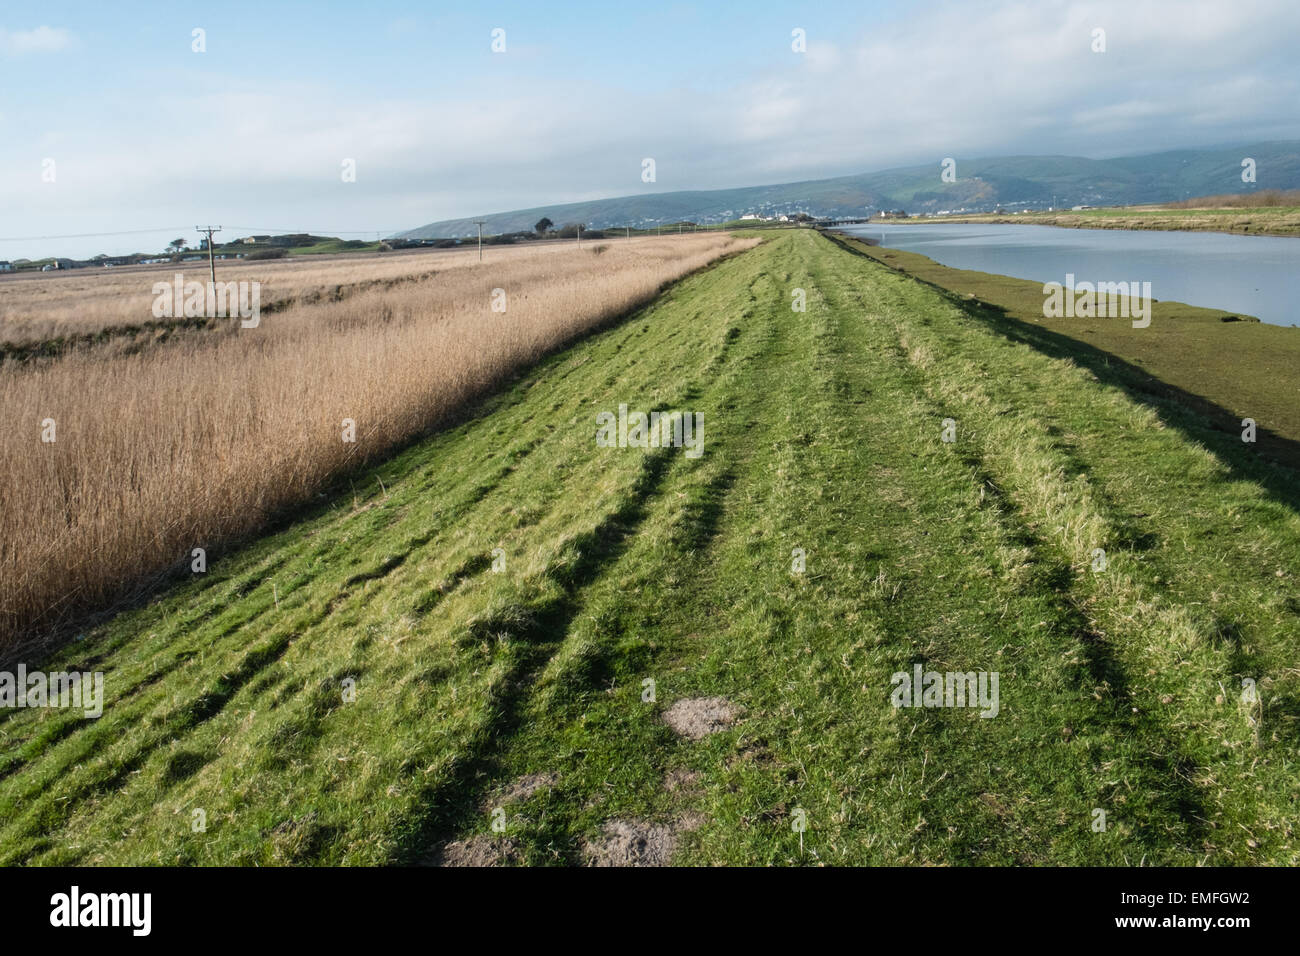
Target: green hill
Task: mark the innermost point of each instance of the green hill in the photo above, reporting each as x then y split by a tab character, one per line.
982	185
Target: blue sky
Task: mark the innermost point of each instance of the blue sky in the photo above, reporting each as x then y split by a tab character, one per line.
146	134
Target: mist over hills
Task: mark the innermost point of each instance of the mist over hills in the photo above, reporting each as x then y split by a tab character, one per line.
982	185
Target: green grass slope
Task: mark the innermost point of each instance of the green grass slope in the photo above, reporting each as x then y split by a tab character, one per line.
1226	371
523	690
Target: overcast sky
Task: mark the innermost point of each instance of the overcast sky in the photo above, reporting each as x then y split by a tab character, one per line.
146	134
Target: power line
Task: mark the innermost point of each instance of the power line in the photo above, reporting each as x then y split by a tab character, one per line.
212	263
90	235
142	232
313	232
480	223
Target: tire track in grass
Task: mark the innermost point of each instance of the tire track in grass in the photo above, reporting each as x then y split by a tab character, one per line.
744	832
303	731
1079	691
983	815
529	624
863	780
1076	517
794	746
138	680
1212	613
523	617
563	658
1209	557
859	767
586	735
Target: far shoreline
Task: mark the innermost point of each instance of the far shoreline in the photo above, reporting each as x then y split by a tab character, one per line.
1275	221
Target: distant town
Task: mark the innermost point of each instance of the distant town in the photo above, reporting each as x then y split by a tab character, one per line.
258	247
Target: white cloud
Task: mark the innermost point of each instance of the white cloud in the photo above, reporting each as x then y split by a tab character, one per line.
1003	77
40	40
1020	77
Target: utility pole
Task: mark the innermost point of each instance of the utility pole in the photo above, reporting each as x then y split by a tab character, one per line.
479	223
629	231
579	235
212	263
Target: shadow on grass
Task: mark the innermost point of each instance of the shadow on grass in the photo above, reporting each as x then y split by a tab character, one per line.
1273	461
455	805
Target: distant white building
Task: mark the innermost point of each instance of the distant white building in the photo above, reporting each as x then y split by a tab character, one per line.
6	267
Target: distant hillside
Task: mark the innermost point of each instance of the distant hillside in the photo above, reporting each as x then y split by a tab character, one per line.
1023	182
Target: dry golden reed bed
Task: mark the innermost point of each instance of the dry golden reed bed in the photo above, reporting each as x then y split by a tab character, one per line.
1263	199
38	307
198	440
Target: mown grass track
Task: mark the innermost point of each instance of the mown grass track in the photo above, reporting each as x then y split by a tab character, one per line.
1120	690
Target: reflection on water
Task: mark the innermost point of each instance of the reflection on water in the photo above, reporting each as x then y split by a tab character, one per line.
1246	275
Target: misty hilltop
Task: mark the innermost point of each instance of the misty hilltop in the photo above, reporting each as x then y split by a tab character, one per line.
980	185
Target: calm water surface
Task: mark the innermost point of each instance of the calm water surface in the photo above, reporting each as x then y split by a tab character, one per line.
1247	275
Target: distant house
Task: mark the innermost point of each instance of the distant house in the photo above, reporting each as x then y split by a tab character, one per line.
253	240
6	267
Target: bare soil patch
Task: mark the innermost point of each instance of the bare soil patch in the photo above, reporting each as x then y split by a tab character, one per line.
480	850
639	842
526	786
697	717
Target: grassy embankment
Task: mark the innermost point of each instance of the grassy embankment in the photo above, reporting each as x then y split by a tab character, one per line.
1226	371
1258	221
522	690
334	247
199	433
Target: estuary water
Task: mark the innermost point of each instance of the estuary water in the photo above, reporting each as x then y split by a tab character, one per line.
1242	275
